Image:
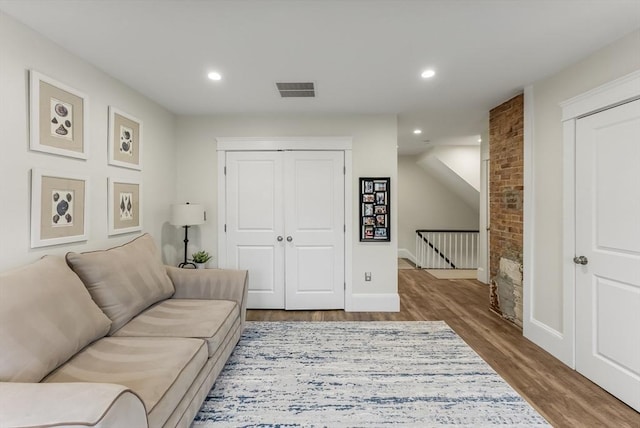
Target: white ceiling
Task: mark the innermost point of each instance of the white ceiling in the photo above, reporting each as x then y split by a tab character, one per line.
364	56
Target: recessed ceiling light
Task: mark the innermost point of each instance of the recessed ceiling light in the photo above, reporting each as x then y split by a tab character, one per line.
428	73
417	131
214	75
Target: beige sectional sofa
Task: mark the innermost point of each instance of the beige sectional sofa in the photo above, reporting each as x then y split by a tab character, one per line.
114	339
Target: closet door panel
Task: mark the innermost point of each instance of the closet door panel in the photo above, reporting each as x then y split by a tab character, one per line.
254	223
314	226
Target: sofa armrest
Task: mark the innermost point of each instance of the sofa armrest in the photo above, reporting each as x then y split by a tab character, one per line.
63	404
214	284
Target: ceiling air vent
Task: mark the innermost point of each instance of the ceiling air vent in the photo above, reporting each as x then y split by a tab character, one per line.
296	89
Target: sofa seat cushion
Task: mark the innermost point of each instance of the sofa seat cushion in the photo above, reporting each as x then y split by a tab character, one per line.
124	280
210	320
46	317
82	404
158	370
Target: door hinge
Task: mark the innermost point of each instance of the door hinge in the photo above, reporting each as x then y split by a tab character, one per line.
225	228
344	229
225	170
344	170
345	285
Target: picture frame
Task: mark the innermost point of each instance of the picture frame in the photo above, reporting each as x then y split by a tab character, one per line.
380	232
124	205
380	209
58	117
59	208
375	224
368	233
125	139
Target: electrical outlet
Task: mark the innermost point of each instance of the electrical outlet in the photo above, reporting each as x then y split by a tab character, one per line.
367	276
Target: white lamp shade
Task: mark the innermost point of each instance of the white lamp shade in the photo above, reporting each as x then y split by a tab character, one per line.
187	214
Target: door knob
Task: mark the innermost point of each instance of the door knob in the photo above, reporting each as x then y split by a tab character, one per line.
289	239
279	238
582	260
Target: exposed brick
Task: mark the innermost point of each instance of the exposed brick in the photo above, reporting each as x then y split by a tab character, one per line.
506	169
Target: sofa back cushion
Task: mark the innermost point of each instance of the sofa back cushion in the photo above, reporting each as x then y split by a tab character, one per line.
125	280
46	317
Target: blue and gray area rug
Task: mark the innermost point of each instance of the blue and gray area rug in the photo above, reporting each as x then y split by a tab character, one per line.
360	374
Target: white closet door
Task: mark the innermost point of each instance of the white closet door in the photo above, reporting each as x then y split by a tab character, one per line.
314	225
254	223
608	240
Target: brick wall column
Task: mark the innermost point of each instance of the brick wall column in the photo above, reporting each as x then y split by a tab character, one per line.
506	167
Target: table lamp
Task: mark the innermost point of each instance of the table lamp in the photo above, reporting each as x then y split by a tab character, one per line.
186	215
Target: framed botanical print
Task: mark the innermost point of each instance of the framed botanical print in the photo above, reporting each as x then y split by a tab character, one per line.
125	206
125	139
375	225
59	209
58	117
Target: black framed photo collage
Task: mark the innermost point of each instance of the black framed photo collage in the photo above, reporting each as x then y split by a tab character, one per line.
374	209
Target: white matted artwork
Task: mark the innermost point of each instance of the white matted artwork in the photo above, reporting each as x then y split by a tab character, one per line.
125	139
59	115
125	206
59	210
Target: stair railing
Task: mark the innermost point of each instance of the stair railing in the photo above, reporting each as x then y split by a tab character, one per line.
447	249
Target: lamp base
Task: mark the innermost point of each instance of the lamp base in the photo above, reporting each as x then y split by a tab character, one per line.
185	263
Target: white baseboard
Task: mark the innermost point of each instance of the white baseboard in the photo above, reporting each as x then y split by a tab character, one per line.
549	339
387	302
403	253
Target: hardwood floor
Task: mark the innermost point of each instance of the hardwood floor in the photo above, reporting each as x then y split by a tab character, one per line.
561	395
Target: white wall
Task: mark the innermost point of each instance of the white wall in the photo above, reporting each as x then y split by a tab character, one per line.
22	49
463	160
458	169
543	264
425	203
374	154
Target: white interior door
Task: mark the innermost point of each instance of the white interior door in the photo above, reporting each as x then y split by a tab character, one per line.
285	225
608	237
254	222
314	224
